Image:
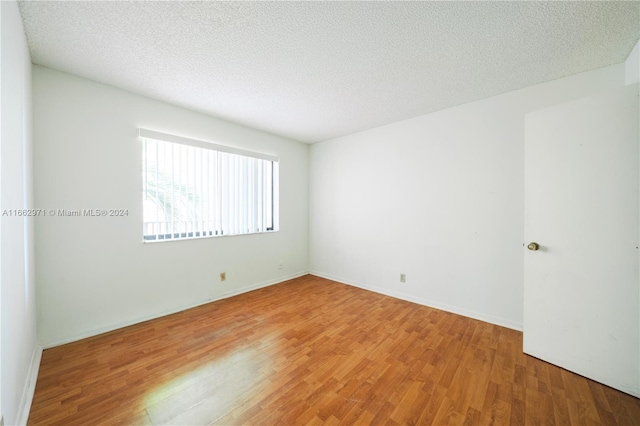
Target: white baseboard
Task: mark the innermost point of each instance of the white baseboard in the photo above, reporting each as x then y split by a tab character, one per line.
94	332
30	386
398	295
430	303
252	287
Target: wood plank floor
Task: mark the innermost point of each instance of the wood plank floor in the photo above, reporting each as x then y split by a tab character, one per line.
312	351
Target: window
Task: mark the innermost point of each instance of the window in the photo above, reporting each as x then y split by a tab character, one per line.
195	189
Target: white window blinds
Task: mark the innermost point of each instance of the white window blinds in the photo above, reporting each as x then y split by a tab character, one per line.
194	189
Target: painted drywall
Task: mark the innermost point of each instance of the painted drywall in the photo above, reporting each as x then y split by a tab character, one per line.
439	198
632	65
17	286
94	273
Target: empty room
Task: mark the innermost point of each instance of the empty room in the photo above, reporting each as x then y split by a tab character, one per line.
322	212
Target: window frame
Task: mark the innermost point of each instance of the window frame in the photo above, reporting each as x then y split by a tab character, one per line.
144	134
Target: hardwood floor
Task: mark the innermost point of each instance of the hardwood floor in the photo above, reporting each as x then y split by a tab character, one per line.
312	351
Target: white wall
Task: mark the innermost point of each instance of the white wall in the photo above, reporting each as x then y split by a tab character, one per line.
18	325
438	197
95	274
632	65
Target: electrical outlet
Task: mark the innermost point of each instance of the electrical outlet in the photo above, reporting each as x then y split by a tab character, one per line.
223	276
280	265
403	278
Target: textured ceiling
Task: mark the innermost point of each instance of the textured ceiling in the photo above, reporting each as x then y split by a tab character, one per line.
316	70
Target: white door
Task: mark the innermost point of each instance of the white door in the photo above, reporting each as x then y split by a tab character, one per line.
581	287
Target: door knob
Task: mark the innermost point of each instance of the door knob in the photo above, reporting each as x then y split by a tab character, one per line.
533	246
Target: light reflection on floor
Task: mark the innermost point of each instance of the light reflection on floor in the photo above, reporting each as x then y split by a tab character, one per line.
208	392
